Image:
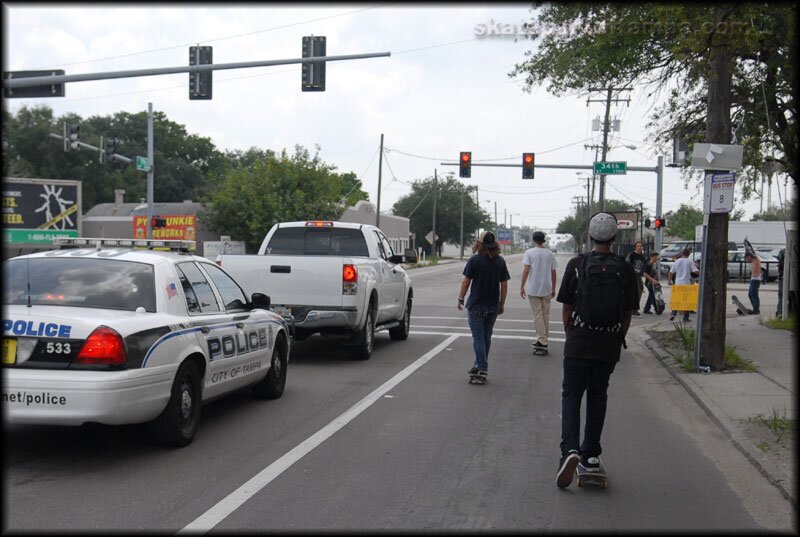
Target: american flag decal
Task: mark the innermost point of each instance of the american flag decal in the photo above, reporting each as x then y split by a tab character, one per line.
172	290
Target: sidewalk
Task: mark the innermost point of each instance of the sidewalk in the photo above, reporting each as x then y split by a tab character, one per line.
735	400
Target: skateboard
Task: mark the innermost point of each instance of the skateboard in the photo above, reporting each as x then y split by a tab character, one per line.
660	304
741	309
477	378
540	351
585	477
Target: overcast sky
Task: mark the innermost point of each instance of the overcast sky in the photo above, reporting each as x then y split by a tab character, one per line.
444	89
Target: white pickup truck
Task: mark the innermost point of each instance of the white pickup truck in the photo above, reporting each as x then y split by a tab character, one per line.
338	279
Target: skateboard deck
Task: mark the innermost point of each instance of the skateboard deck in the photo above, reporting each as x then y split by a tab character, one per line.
539	351
477	378
660	304
597	478
741	309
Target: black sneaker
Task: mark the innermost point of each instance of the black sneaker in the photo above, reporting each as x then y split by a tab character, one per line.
591	464
566	469
538	345
483	373
647	312
473	371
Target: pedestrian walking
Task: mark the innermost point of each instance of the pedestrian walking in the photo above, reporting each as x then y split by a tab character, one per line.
638	261
755	282
599	294
651	277
681	273
486	278
538	285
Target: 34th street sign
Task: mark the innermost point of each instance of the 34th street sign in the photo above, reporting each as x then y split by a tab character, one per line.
610	168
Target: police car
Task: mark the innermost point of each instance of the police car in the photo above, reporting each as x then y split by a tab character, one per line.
115	334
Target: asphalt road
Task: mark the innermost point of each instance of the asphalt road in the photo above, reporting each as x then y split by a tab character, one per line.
402	442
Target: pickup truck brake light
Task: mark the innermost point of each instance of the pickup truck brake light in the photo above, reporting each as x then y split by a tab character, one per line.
349	280
319	223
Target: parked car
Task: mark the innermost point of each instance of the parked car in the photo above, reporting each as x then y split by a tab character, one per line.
121	335
739	269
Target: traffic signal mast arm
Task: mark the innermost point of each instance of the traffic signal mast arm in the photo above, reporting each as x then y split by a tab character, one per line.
60	79
126	160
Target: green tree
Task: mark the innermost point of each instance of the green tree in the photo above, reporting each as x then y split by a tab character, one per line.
417	206
778	213
258	188
181	165
682	223
630	44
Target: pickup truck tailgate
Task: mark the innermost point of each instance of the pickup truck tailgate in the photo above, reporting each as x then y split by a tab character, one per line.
307	280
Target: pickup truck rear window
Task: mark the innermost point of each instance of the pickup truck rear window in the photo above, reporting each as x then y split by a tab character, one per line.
318	241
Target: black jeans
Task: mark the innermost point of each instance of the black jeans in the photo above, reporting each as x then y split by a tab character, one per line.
651	298
590	376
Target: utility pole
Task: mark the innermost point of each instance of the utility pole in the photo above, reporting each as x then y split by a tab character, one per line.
433	233
150	171
606	124
710	329
380	166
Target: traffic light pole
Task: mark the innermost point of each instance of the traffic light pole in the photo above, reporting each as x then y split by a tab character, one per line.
12	83
658	169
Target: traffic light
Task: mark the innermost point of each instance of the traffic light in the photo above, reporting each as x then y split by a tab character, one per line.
72	134
313	74
200	81
528	163
647	223
158	221
465	164
660	222
111	147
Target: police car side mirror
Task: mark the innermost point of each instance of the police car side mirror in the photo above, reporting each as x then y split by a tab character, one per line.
260	300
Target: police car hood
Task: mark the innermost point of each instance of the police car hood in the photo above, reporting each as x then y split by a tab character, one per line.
72	322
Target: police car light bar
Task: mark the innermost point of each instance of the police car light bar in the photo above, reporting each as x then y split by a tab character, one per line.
174	245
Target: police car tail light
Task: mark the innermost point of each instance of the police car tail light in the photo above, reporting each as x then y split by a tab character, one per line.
104	346
349	280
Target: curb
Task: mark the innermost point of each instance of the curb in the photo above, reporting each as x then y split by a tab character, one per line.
743	444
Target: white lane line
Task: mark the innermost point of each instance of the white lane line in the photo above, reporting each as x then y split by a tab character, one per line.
495	329
499	319
495	335
235	499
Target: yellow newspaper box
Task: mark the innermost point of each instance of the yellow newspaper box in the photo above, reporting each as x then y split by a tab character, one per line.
684	297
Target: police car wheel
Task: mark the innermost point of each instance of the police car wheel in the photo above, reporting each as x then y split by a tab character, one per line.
272	385
177	424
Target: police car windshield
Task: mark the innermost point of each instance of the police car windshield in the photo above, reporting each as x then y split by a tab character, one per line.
87	283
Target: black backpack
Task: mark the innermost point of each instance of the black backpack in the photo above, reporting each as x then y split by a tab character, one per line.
601	293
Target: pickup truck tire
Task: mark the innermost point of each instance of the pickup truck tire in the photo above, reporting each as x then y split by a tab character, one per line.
272	385
178	423
400	333
365	338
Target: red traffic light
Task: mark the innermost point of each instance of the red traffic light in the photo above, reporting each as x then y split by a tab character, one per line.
465	164
660	222
528	163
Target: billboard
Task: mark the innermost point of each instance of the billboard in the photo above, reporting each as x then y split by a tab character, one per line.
179	227
35	211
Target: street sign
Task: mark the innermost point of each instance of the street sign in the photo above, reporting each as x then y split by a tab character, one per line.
626	224
429	237
142	164
717	156
719	189
610	168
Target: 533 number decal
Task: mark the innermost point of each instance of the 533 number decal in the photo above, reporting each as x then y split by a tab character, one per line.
58	347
